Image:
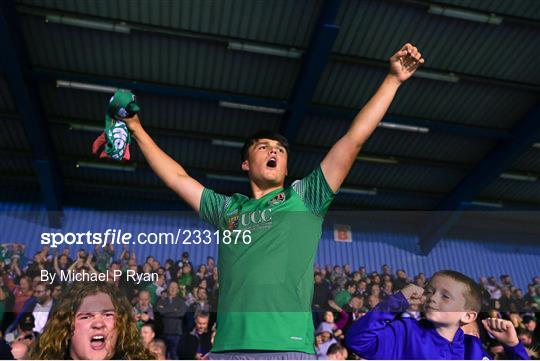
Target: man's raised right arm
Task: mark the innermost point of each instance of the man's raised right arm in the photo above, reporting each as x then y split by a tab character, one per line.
167	169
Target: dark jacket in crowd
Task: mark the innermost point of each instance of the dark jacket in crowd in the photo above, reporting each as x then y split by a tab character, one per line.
193	343
321	295
172	311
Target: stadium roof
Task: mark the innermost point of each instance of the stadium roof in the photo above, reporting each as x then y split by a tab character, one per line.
462	133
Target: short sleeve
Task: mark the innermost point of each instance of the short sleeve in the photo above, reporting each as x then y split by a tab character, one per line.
315	192
213	206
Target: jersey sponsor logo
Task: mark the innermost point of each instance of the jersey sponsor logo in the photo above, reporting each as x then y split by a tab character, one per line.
232	223
296	338
256	219
278	199
232	220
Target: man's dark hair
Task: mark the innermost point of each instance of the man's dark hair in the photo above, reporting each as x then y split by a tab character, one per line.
47	285
473	295
150	324
334	349
263	134
203	314
522	331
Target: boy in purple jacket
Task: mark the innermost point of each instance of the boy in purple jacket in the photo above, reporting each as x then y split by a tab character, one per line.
450	301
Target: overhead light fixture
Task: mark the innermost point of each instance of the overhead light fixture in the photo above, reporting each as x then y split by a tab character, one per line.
89	24
433	75
266	50
227	143
359	191
254	108
519	177
374	159
85	86
226	177
465	15
407	128
106	166
85	127
486	204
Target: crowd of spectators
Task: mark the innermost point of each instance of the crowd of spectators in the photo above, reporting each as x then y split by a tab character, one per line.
175	313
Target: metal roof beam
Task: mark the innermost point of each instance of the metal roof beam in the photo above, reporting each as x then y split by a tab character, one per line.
496	162
507	19
314	62
432	125
224	40
25	93
208	95
299	147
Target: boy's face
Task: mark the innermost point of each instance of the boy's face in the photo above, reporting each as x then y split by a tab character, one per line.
329	317
267	162
445	303
325	336
356	302
94	332
147	334
526	340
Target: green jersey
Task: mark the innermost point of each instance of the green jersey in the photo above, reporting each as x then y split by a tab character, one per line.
266	286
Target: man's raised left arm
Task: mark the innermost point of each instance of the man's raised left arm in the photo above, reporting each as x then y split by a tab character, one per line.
339	160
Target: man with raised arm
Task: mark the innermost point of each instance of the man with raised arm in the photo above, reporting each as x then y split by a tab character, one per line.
266	285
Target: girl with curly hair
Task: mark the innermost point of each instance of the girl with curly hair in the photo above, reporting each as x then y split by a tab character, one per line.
91	320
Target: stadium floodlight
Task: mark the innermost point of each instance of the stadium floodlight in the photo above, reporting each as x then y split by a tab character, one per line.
359	191
486	204
254	108
226	177
266	50
465	15
375	159
85	127
227	143
407	128
106	166
89	24
434	75
85	86
519	177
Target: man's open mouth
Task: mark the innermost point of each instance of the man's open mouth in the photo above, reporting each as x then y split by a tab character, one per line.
272	162
97	342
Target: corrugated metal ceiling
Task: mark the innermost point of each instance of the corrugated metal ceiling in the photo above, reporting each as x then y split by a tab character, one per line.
370	31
